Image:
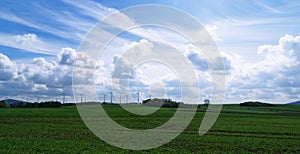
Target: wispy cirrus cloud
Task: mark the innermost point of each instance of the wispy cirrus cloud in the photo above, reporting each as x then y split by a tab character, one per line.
53	26
31	42
91	9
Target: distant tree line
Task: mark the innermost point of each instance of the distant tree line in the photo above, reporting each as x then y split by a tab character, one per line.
68	104
256	104
36	104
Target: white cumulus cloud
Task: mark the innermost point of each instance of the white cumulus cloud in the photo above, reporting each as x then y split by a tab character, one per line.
8	69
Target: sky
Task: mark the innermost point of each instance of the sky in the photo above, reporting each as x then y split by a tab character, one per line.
259	43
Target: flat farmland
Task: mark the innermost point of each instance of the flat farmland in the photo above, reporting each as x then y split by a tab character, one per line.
237	130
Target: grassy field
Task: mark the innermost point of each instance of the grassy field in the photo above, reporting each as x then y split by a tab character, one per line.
238	130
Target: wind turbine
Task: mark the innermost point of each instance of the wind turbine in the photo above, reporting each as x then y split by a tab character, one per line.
111	96
138	94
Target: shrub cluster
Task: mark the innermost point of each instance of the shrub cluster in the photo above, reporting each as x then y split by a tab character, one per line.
2	104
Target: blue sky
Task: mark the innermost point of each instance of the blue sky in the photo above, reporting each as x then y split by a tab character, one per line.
259	42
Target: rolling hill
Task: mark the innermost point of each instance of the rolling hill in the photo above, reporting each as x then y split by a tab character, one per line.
12	101
295	103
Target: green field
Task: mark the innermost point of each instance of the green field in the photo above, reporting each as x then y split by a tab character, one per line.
237	130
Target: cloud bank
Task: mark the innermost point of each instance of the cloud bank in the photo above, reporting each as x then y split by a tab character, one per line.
274	78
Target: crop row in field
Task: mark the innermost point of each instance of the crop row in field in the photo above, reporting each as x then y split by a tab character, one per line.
237	130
